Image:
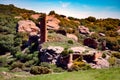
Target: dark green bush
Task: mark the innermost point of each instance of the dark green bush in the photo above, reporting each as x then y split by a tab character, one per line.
3	61
29	63
70	42
66	52
39	70
117	55
56	69
17	65
45	64
103	55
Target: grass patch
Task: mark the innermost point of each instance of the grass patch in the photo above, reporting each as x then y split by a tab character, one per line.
101	74
3	69
59	40
93	74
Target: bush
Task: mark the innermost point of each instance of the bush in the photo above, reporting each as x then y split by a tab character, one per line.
56	69
80	65
66	52
45	64
70	41
103	55
117	55
17	65
3	61
29	63
112	61
39	70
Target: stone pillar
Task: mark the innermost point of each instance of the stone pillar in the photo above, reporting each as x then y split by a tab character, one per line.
43	30
70	63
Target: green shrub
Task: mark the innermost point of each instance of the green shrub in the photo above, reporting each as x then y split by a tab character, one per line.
45	64
29	63
70	41
17	65
3	61
117	55
56	69
66	52
112	61
103	55
80	65
39	70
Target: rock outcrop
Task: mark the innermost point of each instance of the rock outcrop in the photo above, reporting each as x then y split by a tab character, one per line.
28	26
50	54
52	22
83	30
91	43
35	16
72	36
92	57
100	63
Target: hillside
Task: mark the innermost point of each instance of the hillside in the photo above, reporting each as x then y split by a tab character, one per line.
72	44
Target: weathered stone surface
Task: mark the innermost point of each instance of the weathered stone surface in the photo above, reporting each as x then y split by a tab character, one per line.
35	16
100	63
57	49
50	54
52	22
72	36
78	49
28	26
84	30
118	31
91	43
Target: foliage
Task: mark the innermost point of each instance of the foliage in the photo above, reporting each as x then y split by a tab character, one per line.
39	70
66	52
70	42
56	69
112	61
52	13
17	65
80	65
117	55
103	55
45	64
112	43
6	43
91	19
3	61
13	10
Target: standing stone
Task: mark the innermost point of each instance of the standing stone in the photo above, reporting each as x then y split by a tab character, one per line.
43	29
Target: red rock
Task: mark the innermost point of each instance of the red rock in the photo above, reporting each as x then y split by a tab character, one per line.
27	26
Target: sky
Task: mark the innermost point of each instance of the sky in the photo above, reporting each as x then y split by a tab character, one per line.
73	8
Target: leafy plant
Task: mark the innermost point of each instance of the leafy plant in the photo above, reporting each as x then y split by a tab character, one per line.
39	70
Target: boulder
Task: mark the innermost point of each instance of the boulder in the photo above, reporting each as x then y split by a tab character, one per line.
52	22
28	26
91	42
100	63
72	36
50	54
83	30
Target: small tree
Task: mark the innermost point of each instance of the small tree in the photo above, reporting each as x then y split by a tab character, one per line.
52	13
